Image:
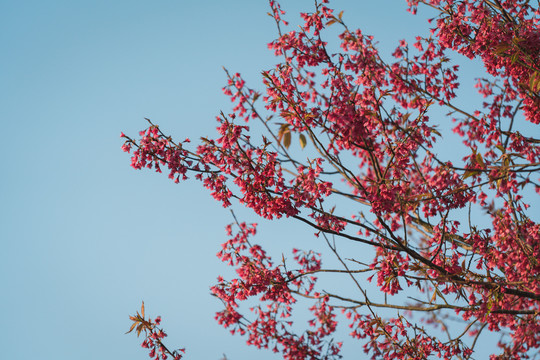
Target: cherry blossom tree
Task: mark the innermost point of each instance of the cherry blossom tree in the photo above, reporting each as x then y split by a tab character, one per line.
335	130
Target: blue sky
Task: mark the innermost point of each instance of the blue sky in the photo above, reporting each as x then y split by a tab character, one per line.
84	237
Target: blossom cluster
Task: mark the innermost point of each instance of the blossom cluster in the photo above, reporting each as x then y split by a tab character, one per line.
153	337
368	142
276	288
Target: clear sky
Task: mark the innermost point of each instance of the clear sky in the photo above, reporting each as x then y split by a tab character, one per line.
84	237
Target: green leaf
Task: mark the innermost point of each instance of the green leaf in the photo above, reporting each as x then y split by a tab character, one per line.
283	129
287	139
132	327
514	58
479	160
303	141
433	298
406	116
501	48
469	173
139	329
534	81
